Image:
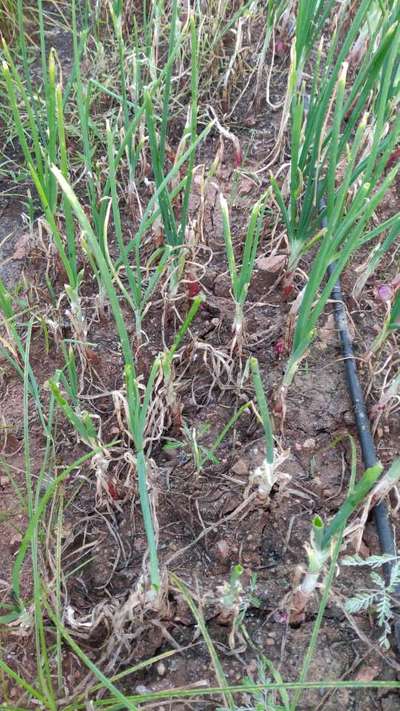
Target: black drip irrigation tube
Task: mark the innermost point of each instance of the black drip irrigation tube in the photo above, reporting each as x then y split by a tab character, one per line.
381	518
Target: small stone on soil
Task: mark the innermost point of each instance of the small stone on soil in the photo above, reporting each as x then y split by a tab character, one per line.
161	669
241	467
223	550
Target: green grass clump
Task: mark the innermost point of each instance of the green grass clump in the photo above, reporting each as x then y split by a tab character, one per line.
8	17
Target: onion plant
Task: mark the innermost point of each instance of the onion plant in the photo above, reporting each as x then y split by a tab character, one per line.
299	600
322	536
265	475
310	19
38	95
378	251
38	157
34	155
352	203
174	232
116	12
392	323
83	107
157	152
137	404
138	293
274	11
313	160
241	275
43	145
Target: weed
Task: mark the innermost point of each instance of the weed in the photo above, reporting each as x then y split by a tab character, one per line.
381	597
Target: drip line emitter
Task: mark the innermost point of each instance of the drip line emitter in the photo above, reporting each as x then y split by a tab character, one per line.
380	511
